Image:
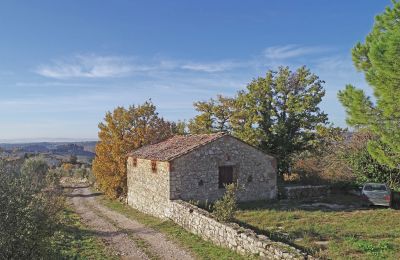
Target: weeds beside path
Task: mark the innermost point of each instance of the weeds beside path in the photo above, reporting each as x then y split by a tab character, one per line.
200	248
74	241
127	237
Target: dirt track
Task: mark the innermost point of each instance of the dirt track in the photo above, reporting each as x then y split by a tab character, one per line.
125	237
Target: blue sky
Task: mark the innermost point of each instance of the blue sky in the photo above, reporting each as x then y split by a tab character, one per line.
63	64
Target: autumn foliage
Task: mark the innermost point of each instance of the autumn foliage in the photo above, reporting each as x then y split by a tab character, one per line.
122	131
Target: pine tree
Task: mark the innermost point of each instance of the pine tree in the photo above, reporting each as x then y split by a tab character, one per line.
378	58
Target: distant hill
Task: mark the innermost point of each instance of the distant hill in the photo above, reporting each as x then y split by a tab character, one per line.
85	148
72	149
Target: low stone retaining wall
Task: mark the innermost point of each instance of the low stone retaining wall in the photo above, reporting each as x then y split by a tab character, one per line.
231	235
302	192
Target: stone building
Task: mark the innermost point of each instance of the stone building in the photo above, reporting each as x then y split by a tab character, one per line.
196	167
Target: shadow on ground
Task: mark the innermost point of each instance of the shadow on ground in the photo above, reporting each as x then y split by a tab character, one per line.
335	203
94	194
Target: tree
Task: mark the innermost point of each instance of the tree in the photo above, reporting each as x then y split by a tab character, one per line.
34	171
202	123
329	138
214	116
279	113
179	127
68	169
378	58
73	159
122	131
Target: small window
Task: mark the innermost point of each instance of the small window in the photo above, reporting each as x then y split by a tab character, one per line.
134	162
154	166
250	178
201	183
225	176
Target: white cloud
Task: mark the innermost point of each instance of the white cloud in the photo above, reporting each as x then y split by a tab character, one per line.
95	66
338	69
333	63
91	66
291	51
60	84
219	66
173	84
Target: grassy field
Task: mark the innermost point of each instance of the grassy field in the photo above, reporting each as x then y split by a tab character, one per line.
74	241
200	248
326	229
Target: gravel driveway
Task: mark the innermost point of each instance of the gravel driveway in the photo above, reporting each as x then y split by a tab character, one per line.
124	236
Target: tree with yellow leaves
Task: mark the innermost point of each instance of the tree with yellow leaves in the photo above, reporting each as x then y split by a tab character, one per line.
122	131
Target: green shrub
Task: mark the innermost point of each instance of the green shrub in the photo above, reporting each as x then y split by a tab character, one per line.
224	209
365	167
28	214
34	171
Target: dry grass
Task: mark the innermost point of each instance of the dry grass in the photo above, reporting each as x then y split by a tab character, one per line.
200	248
332	234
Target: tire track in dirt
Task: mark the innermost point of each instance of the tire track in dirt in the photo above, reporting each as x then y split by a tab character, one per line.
156	244
114	238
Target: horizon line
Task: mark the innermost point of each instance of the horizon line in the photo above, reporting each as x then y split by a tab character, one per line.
46	140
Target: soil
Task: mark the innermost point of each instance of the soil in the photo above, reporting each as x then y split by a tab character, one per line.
125	237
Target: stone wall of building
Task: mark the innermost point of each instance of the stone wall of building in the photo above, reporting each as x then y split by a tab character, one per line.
194	176
303	192
230	235
148	190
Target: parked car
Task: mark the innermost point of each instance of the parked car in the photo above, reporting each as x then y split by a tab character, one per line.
376	194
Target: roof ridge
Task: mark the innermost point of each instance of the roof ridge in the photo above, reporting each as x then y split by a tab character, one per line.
217	134
175	146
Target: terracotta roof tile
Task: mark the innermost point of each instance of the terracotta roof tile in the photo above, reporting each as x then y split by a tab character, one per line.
174	146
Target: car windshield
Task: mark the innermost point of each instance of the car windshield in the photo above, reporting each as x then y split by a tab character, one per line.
375	187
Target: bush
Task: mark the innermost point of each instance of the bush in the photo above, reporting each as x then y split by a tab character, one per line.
28	215
367	169
343	162
224	209
326	162
34	171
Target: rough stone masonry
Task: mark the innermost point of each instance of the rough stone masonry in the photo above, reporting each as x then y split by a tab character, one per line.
162	176
230	235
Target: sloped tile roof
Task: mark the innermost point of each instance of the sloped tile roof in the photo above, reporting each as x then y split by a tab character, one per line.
174	146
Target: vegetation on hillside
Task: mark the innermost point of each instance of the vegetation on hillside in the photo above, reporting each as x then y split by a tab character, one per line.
35	222
29	213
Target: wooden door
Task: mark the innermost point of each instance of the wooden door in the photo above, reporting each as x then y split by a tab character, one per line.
225	176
